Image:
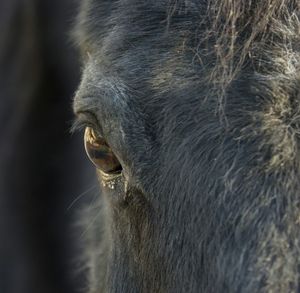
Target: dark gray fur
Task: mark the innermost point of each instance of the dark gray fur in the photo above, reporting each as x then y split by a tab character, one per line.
200	102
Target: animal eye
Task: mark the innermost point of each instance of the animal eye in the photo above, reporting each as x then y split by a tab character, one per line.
100	153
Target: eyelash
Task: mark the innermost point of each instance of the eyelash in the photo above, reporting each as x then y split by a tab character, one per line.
79	125
84	120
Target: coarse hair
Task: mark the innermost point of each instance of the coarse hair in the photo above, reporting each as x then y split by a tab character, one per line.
242	32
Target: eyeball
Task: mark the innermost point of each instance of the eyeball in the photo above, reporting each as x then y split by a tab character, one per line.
100	153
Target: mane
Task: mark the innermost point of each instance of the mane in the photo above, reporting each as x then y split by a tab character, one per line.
251	29
242	32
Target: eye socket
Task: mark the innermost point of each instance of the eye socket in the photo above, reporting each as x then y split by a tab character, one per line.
100	153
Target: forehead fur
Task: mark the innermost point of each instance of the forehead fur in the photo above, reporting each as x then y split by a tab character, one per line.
231	32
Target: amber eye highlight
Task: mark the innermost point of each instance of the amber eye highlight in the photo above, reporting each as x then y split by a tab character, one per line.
100	153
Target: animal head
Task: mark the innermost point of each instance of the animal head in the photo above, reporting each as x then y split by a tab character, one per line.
192	115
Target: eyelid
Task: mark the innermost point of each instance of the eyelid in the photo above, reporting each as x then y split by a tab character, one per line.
86	119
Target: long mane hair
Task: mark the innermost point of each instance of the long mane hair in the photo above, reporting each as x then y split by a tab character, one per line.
242	32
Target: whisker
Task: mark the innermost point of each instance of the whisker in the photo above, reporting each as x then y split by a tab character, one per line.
86	230
80	196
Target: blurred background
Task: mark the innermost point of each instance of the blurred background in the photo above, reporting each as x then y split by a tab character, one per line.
45	178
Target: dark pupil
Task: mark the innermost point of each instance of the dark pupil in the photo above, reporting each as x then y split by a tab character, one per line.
100	153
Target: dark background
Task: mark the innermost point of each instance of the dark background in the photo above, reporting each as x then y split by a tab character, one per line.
43	169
